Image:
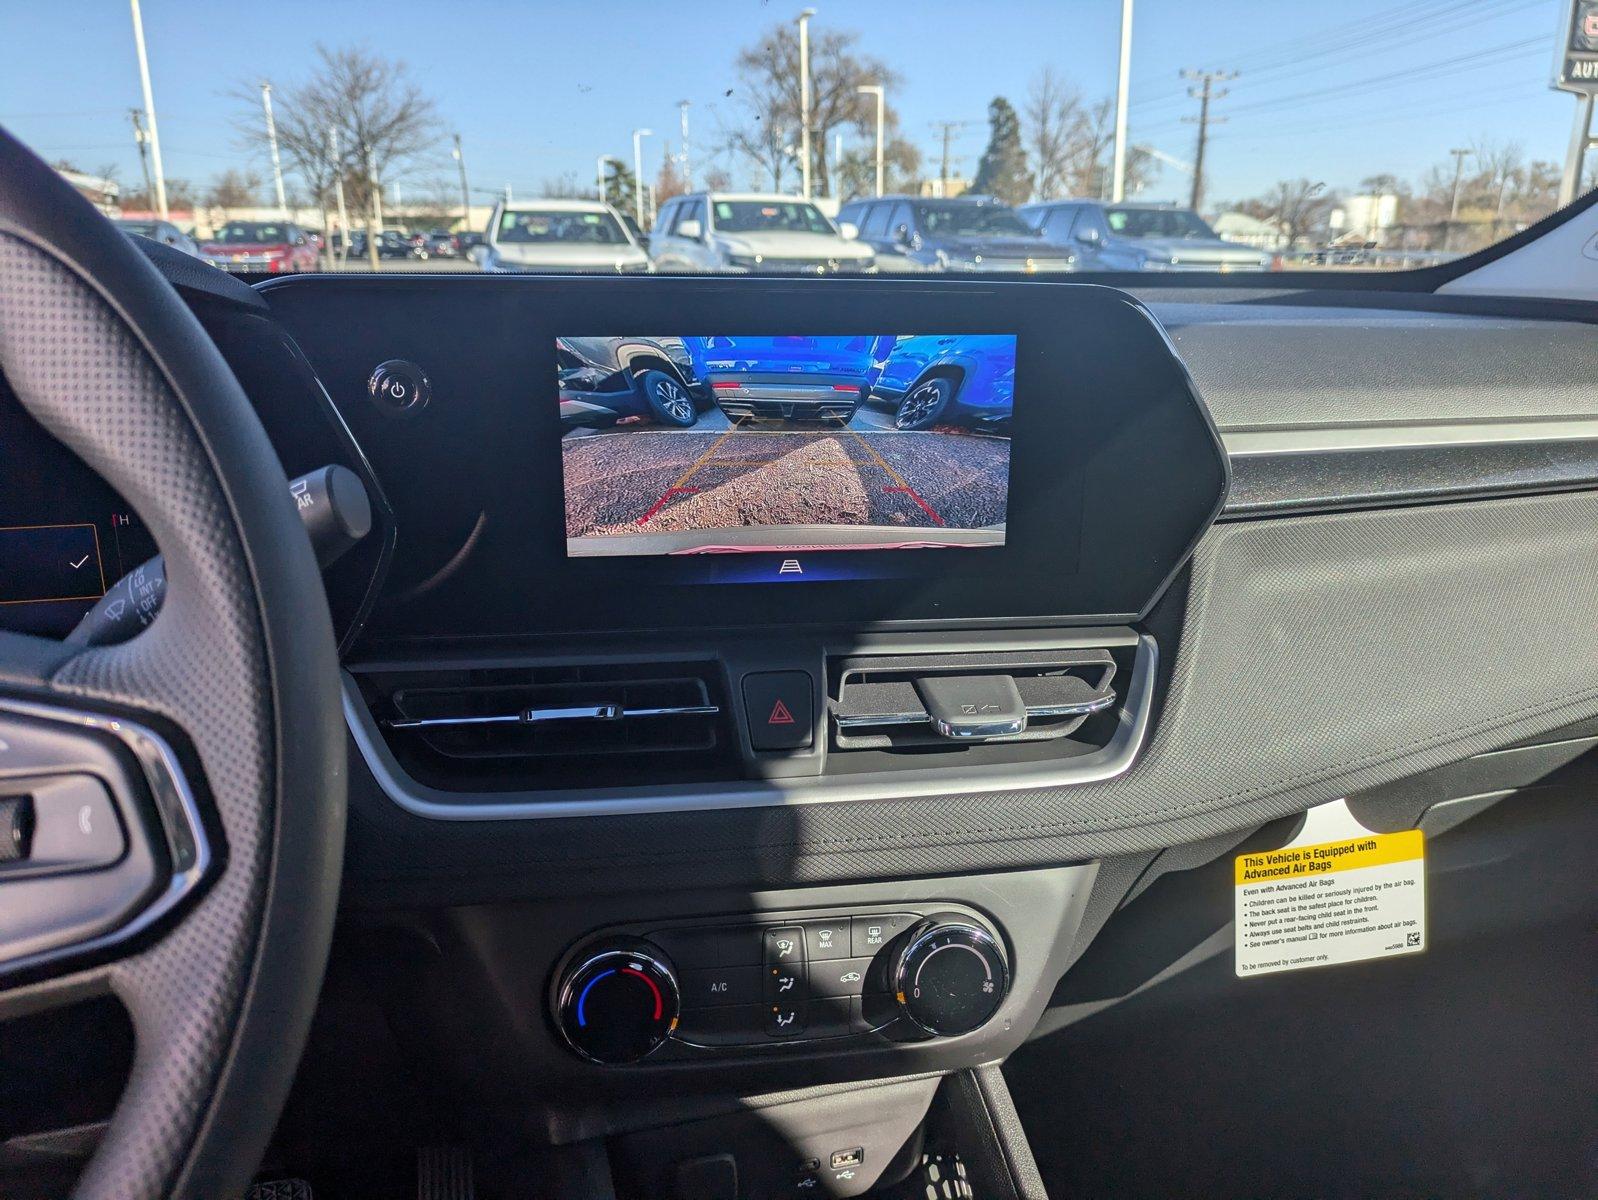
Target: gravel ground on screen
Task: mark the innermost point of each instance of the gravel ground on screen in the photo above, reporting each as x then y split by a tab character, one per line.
622	483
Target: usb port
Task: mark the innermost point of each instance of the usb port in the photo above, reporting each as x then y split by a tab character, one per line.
848	1158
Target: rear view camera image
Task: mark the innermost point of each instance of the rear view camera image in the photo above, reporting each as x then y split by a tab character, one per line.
723	445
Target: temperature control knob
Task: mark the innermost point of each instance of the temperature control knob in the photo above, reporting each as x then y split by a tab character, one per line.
618	1002
951	975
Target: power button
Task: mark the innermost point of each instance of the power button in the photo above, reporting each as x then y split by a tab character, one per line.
399	388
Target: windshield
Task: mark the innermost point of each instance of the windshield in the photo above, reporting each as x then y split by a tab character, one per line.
540	226
1156	223
147	229
969	220
767	216
251	231
1379	134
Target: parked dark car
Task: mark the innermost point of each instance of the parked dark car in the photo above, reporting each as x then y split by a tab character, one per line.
442	245
948	380
789	378
390	244
603	379
1140	237
971	233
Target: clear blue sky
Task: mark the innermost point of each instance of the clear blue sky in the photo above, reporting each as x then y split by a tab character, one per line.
539	89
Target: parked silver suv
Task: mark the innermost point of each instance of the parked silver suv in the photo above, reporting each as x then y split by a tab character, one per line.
752	232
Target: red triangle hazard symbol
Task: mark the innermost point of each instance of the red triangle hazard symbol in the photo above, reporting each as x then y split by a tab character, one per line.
780	715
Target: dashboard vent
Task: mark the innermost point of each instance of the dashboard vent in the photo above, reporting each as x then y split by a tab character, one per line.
1070	696
514	728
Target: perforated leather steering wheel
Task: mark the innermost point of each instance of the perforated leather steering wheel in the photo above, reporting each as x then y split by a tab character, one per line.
214	733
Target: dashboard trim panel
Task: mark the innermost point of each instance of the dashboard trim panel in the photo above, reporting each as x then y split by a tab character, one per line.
435	804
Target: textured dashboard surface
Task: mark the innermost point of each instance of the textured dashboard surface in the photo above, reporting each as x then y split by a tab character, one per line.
1282	365
1319	655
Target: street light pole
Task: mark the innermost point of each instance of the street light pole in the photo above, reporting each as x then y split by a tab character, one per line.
877	90
271	141
149	110
466	192
804	99
687	162
638	173
1122	87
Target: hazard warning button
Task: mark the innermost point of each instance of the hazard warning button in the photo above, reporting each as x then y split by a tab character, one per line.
780	709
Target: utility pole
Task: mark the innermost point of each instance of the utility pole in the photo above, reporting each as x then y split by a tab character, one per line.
948	129
837	165
1453	204
877	90
804	99
638	173
337	159
271	141
142	141
149	110
1123	83
687	162
1581	140
1204	94
466	192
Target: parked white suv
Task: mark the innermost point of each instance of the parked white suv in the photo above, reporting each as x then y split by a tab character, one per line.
751	232
560	235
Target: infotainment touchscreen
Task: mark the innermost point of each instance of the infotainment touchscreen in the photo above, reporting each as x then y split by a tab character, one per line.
728	445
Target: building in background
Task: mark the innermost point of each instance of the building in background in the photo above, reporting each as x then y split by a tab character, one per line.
102	193
1250	231
1365	219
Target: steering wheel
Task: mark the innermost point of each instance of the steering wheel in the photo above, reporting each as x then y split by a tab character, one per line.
208	749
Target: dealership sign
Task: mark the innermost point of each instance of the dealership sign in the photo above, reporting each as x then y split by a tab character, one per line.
1577	70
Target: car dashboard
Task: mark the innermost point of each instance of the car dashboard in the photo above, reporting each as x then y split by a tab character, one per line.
643	820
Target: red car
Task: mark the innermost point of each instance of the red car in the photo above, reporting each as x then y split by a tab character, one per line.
276	247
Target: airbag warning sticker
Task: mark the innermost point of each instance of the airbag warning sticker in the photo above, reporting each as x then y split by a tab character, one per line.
1333	902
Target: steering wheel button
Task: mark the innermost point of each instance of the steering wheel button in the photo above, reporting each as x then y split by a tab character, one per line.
76	827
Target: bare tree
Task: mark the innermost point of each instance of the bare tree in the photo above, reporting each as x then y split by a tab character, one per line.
234	189
381	123
768	133
1297	206
1056	122
565	187
1502	168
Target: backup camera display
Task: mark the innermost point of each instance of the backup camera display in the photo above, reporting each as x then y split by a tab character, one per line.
729	445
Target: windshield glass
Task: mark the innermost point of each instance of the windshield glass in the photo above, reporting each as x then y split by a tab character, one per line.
147	229
524	227
251	231
1156	223
1380	134
969	220
766	216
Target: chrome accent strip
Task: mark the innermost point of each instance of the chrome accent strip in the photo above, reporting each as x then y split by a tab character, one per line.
1242	443
873	720
181	820
436	804
536	716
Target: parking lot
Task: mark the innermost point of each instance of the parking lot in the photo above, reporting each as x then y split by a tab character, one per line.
655	490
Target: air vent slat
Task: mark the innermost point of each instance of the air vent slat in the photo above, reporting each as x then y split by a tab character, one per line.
875	704
538	728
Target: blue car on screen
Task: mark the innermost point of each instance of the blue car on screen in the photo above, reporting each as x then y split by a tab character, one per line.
790	378
948	379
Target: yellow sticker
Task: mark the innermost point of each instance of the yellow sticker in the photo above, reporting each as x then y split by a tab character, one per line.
1329	902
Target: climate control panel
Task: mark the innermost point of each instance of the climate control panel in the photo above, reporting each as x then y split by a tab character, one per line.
693	989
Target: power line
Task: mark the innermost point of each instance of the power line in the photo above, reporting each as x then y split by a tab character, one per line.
1354	43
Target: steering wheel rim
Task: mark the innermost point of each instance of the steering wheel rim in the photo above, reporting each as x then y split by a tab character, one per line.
238	670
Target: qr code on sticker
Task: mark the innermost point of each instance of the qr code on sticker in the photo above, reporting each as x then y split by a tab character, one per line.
1413	939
